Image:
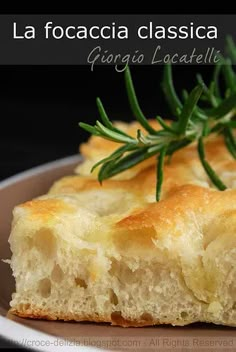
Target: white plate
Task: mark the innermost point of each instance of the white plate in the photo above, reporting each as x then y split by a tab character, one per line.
61	336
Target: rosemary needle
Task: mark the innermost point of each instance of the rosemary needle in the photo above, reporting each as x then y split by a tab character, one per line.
160	164
194	122
210	172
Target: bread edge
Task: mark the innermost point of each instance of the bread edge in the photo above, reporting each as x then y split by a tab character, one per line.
113	319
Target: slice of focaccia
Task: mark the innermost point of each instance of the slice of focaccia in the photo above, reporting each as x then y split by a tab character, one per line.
111	253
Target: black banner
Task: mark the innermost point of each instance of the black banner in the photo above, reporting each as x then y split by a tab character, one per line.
113	39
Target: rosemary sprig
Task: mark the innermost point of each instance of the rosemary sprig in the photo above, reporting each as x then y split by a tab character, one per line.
192	122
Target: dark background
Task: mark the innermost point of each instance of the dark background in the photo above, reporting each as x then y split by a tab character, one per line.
40	106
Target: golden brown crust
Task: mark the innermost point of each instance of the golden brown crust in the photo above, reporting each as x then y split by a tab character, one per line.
186	189
46	208
114	319
185	168
183	195
184	199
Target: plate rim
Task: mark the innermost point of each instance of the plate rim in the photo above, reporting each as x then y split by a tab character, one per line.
39	169
22	332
